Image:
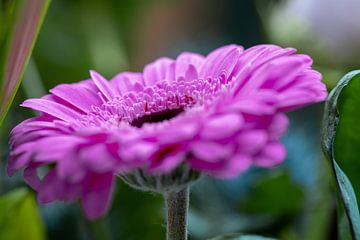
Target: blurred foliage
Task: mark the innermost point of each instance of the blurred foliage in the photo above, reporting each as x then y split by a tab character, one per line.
18	208
236	236
341	142
275	188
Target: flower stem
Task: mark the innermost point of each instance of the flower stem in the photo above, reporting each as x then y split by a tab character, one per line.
177	204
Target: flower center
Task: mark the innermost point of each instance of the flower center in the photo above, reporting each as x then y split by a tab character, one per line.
153	104
156	117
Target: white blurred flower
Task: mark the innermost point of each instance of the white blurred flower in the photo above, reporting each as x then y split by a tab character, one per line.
328	28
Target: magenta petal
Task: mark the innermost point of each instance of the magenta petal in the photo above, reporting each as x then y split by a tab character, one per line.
254	58
97	158
103	85
186	130
236	165
54	109
31	177
30	136
157	71
210	151
279	125
185	60
125	82
254	106
15	163
49	189
301	97
221	126
97	193
228	63
191	73
137	151
279	71
215	58
70	169
273	154
168	163
57	147
251	142
78	96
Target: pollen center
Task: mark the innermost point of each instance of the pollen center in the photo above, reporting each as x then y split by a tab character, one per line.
152	104
156	117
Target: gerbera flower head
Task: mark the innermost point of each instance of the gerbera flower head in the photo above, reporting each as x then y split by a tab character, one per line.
215	115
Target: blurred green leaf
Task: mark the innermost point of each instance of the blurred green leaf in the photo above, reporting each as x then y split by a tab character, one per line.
341	143
19	217
274	195
237	236
20	21
96	17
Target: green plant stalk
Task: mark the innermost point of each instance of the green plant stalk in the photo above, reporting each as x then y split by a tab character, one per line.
177	205
12	96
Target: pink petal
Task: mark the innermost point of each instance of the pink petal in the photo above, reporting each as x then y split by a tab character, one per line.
254	58
281	70
125	82
185	60
210	151
57	147
278	125
32	136
77	95
251	105
97	158
191	73
168	163
15	163
236	165
52	108
31	177
70	169
182	131
273	154
96	196
103	85
157	71
227	64
138	152
48	191
215	58
251	141
222	126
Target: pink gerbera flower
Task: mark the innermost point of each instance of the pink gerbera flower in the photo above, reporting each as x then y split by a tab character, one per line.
216	115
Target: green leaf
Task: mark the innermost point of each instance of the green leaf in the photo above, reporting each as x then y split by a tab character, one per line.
20	22
341	144
269	194
237	236
19	217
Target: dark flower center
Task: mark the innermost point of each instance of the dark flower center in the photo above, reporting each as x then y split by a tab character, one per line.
156	117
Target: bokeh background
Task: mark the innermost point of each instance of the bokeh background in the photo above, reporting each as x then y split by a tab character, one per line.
292	201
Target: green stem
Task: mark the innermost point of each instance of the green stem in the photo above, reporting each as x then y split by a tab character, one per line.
177	204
